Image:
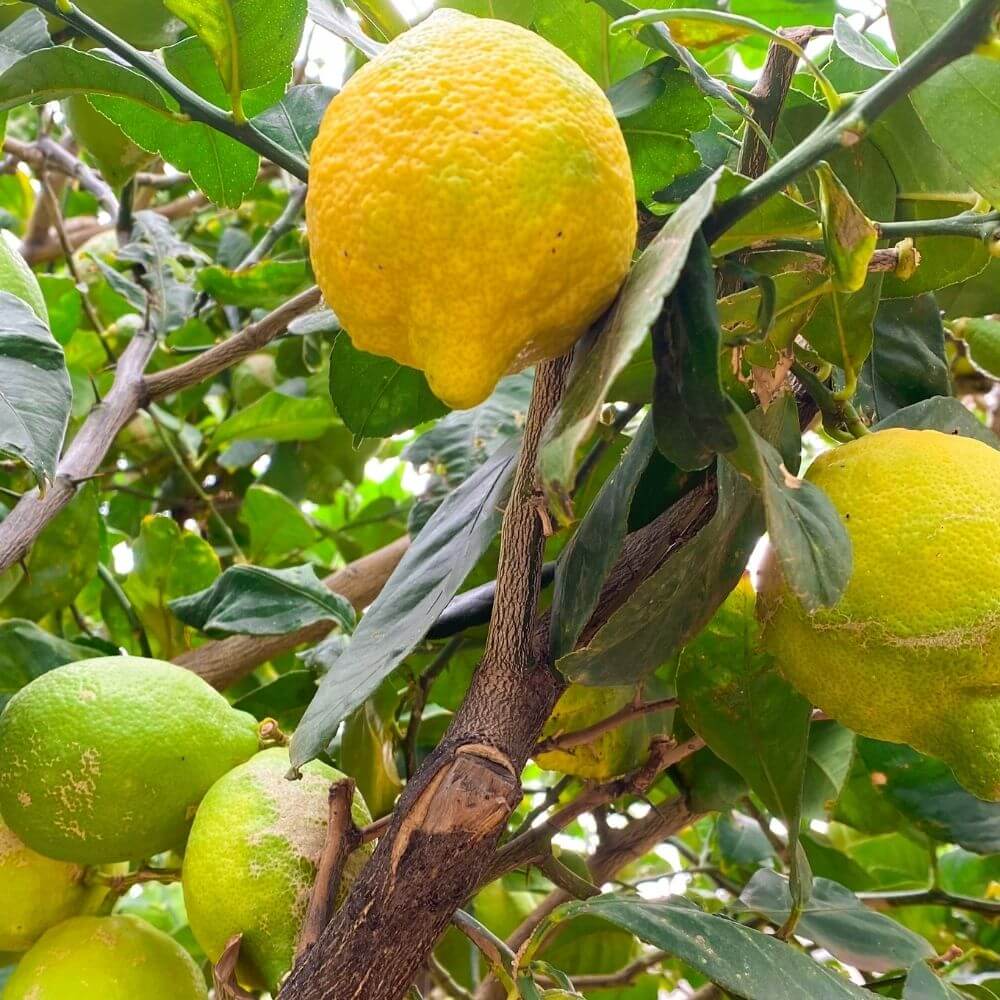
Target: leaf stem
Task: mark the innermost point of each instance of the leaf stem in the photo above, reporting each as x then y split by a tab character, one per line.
847	126
114	588
191	103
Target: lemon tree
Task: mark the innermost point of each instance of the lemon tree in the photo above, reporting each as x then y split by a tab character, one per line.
499	499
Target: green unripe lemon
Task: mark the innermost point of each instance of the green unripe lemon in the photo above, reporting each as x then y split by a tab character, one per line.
983	338
619	750
18	279
107	759
106	958
37	892
251	860
114	154
911	652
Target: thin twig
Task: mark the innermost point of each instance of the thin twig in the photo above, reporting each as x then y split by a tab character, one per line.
342	838
284	224
375	830
581	737
121	598
930	897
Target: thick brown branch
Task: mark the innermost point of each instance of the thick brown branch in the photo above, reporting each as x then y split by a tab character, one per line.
224	661
342	837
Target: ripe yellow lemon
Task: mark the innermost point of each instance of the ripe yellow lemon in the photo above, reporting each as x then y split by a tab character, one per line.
110	958
37	892
471	208
107	759
252	857
911	652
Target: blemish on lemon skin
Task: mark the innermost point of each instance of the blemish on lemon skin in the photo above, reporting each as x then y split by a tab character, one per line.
24	799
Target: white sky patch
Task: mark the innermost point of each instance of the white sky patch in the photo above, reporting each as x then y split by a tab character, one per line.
190	524
414	482
378	470
123	559
261	465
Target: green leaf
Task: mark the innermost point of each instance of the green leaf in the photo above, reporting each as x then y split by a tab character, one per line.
733	695
251	41
27	34
787	13
168	563
941	413
741	840
335	18
284	414
924	790
52	74
594	547
849	235
691	410
376	396
427	578
658	136
830	755
35	393
742	961
367	751
907	363
62	561
294	121
520	12
283	699
277	526
253	600
835	919
923	984
636	308
27	652
264	286
960	104
854	44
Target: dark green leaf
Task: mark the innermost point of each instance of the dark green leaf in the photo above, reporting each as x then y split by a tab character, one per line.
284	699
376	396
830	754
941	413
35	393
924	790
294	121
741	840
907	363
922	984
835	919
590	553
264	286
639	303
426	579
27	652
691	410
734	697
742	961
27	34
252	600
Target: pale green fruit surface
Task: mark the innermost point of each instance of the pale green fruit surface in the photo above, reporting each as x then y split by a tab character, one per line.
983	338
107	759
911	652
251	860
37	892
106	958
146	24
614	752
18	279
114	154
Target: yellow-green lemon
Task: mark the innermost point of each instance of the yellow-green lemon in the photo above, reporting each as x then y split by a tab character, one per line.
911	652
614	752
37	892
106	958
107	759
251	860
471	208
18	279
114	154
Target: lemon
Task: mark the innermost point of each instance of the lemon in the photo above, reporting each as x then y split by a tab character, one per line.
107	759
911	652
252	857
114	154
18	279
106	958
471	208
37	892
983	338
614	752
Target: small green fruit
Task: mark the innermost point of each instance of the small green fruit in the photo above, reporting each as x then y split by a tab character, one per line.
251	860
106	958
106	759
114	154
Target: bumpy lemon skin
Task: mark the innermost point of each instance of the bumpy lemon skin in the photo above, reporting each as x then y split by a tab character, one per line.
110	958
911	652
106	760
251	861
471	209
